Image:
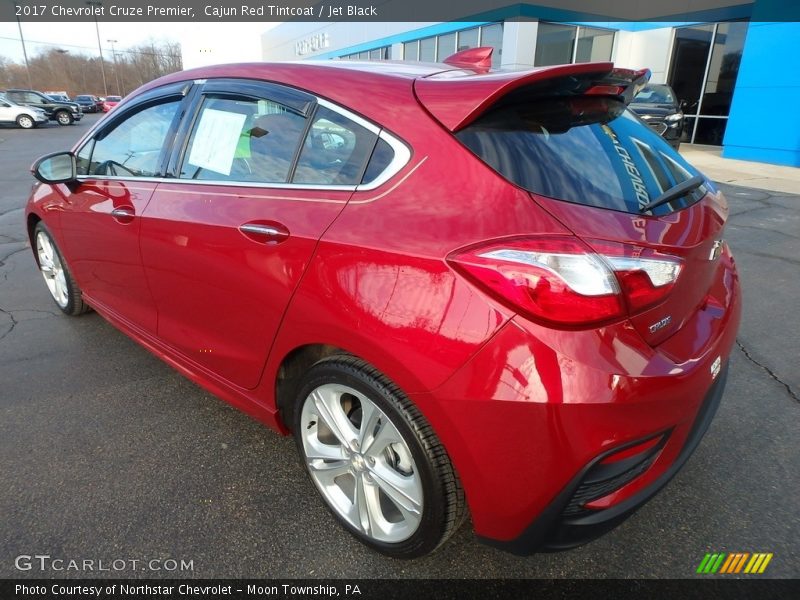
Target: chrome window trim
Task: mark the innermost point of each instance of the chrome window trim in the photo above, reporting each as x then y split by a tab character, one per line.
220	182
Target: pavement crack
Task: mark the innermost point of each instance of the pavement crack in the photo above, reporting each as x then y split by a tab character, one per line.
13	323
769	371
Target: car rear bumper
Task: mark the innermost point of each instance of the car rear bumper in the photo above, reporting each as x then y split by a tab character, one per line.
559	528
532	420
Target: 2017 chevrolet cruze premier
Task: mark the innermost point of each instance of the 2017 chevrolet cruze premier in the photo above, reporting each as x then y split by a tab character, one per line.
461	290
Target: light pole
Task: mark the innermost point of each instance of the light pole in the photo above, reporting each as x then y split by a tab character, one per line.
99	47
24	51
116	66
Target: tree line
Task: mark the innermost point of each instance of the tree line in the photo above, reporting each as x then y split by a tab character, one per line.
56	69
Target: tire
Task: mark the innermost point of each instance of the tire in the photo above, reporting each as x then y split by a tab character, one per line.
60	283
64	117
392	486
26	122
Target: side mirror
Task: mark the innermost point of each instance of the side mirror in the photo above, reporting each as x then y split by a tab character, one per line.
55	168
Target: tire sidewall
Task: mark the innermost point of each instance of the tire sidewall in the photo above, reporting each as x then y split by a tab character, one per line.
71	306
431	527
64	121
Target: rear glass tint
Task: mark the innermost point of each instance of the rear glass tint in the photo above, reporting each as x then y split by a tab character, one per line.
586	150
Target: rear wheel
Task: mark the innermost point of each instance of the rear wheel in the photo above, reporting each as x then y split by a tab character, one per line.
375	459
63	289
26	122
64	117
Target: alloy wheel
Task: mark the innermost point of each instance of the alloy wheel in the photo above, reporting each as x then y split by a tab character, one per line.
52	269
361	464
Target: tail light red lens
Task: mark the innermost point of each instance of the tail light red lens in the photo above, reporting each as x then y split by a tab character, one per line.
561	281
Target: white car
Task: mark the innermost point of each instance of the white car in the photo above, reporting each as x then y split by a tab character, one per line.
26	117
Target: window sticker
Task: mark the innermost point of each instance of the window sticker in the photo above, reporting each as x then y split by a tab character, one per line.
216	139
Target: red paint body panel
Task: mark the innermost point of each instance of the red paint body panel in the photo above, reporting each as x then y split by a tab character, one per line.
220	295
520	408
103	250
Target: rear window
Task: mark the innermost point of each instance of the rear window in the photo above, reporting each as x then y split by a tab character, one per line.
582	149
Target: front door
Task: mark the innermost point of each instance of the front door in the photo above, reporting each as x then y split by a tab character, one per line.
102	222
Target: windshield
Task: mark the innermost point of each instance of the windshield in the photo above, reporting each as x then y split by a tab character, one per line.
655	94
113	99
582	149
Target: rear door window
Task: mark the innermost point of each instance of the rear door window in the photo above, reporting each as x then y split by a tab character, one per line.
243	139
586	150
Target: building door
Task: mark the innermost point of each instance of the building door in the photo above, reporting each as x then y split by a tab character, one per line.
705	63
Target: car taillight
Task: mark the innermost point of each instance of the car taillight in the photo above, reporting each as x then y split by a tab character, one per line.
561	281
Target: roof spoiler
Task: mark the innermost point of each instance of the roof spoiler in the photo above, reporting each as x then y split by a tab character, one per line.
457	99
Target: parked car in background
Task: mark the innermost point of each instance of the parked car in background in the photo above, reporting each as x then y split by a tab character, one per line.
26	117
111	102
498	291
65	113
658	106
59	97
88	103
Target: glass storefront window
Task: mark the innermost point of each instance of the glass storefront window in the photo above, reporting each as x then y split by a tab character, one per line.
723	68
445	46
427	49
594	45
411	50
492	35
703	71
468	39
554	44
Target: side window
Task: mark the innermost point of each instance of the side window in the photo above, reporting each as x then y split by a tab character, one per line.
31	97
133	147
84	158
381	158
335	151
243	139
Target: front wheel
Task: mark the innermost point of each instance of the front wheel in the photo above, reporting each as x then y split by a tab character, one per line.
57	277
375	459
64	118
26	122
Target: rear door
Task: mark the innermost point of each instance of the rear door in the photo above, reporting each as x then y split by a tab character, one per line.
224	245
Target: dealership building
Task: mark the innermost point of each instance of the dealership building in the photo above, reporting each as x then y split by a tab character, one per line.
734	66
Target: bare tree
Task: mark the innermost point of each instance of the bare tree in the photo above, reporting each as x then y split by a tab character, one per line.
75	73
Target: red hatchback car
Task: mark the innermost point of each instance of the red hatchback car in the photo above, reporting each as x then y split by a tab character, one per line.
463	291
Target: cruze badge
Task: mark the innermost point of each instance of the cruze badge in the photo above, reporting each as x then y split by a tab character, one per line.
716	250
660	324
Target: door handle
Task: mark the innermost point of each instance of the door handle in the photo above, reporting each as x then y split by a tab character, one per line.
269	233
123	214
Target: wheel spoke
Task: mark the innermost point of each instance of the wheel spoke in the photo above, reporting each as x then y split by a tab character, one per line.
330	411
326	472
376	442
403	491
316	450
367	505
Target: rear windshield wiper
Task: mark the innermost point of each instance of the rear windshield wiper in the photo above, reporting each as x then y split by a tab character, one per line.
684	187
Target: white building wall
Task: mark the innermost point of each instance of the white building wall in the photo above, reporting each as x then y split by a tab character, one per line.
648	49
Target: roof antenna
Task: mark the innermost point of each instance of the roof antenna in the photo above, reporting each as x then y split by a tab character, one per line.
478	59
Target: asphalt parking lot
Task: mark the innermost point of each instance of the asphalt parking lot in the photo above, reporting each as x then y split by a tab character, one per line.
107	453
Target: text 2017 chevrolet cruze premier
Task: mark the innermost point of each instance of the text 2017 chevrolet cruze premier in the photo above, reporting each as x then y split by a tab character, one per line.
463	291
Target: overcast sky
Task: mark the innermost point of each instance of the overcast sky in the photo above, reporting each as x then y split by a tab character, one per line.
82	38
